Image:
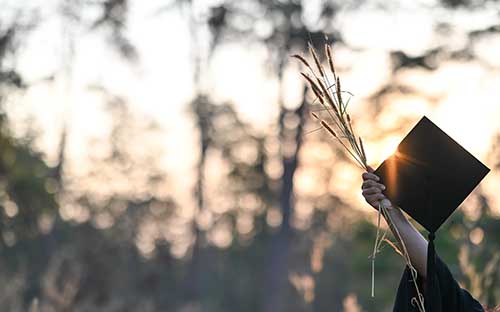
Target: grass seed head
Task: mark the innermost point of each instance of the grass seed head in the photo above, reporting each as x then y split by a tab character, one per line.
313	85
329	55
339	92
316	60
302	59
328	128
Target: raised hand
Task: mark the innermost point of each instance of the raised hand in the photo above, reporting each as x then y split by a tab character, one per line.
372	190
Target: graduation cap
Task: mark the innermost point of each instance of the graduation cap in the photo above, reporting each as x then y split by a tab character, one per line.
428	177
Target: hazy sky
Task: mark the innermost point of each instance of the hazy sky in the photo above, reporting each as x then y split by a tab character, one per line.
159	85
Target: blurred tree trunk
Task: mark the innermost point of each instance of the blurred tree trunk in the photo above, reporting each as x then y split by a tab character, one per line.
193	281
277	276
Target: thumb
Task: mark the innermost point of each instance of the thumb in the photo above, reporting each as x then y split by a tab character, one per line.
369	169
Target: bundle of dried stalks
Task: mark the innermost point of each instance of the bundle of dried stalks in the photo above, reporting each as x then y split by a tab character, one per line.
339	125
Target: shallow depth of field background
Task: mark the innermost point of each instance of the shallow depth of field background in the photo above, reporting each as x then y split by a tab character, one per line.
160	155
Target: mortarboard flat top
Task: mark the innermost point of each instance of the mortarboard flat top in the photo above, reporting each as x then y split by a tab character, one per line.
430	175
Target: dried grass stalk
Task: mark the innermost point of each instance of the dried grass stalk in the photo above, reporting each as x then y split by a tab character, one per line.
339	126
329	55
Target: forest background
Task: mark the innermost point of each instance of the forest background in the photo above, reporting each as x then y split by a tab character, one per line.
159	155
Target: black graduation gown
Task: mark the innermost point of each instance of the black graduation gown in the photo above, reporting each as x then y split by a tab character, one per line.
448	291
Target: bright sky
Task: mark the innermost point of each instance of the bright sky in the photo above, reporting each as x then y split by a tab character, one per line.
160	84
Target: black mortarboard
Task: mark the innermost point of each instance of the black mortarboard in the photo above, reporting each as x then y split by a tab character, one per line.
428	177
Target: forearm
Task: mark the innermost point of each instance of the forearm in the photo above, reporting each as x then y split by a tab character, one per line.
415	243
403	230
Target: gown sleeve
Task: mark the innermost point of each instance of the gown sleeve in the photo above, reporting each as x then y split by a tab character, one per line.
452	296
